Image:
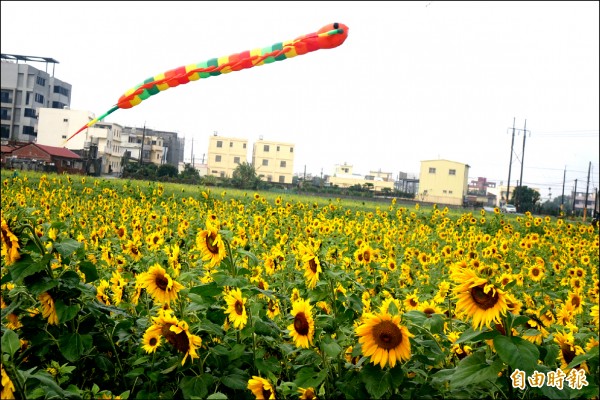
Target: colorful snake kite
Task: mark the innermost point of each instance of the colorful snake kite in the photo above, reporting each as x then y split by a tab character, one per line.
328	37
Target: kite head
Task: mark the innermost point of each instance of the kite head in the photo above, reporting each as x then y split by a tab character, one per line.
332	35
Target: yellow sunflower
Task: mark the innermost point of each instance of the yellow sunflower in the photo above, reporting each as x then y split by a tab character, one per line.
576	302
273	309
151	340
159	284
10	244
176	333
430	308
411	302
307	394
383	339
536	272
312	265
480	300
261	388
48	309
236	308
303	328
8	388
211	246
594	314
568	350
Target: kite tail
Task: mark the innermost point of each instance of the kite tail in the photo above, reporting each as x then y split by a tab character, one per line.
93	122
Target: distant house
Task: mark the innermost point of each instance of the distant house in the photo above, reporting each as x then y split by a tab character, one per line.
40	157
443	182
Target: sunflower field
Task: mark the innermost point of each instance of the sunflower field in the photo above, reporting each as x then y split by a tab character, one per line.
117	289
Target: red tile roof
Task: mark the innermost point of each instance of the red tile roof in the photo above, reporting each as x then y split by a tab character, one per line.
58	151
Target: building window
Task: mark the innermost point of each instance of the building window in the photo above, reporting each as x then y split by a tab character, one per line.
450	191
236	160
65	119
244	145
28	130
61	90
265	162
5	114
39	98
444	191
291	149
58	104
5	96
266	148
64	136
40	81
230	144
281	179
30	112
219	143
4	131
452	172
269	178
431	170
217	158
282	164
277	148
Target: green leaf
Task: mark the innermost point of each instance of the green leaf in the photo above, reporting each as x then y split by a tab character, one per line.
379	381
65	313
104	363
208	290
89	270
583	357
48	381
40	283
331	347
236	352
477	373
471	335
73	345
235	381
217	396
66	247
10	342
270	364
517	352
25	267
308	377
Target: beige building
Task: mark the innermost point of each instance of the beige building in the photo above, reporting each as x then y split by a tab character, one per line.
224	155
273	161
55	126
344	177
443	182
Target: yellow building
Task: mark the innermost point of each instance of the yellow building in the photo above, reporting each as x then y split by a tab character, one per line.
344	177
443	182
273	161
224	155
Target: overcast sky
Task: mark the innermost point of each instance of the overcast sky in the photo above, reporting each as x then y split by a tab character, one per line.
414	80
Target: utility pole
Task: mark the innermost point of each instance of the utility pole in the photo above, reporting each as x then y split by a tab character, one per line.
510	164
523	155
574	196
142	148
587	190
193	165
562	200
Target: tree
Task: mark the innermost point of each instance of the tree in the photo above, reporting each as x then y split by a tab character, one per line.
167	170
245	176
525	199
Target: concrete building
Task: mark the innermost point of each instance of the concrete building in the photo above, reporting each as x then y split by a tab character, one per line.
443	182
273	161
344	177
224	155
25	89
55	125
173	144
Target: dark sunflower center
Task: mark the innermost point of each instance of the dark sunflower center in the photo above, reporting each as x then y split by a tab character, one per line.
312	265
413	303
429	311
576	301
178	340
153	341
266	393
210	243
301	324
387	335
161	282
567	352
367	256
535	272
155	239
482	299
239	307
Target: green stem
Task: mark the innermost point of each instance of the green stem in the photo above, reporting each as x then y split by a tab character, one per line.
428	334
15	379
120	372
